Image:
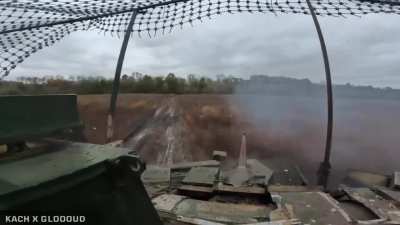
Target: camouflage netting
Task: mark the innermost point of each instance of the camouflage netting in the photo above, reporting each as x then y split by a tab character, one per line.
27	26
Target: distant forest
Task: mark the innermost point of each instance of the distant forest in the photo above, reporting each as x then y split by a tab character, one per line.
192	84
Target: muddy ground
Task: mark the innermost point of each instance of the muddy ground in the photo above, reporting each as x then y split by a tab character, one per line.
166	129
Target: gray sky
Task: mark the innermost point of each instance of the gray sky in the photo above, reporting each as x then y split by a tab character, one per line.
362	50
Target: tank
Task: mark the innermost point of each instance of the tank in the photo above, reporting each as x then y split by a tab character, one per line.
270	192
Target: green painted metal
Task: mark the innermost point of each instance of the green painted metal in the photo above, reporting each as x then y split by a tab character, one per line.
100	182
204	176
63	159
313	208
27	117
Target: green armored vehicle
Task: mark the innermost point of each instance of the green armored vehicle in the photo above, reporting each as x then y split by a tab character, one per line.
41	174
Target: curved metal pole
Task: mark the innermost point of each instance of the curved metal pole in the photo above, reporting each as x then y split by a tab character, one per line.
115	89
325	166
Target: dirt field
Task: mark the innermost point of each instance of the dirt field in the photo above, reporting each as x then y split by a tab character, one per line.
132	111
194	124
165	129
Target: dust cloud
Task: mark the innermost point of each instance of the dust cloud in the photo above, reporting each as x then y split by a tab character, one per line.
365	137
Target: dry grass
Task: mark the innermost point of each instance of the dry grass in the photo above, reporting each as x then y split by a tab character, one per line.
132	110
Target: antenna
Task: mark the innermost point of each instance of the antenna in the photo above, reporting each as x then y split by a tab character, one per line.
325	166
243	152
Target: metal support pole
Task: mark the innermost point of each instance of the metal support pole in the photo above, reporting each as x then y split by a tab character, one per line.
115	88
325	166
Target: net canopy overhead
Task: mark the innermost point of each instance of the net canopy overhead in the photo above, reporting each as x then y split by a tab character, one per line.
27	26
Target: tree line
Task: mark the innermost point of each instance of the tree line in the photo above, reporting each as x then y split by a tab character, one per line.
191	84
134	83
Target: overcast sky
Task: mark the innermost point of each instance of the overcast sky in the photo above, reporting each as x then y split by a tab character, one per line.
363	51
